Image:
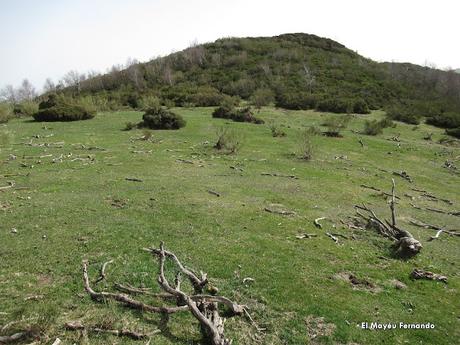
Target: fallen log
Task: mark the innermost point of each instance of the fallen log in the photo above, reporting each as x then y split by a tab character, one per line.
436	210
421	274
78	326
280	175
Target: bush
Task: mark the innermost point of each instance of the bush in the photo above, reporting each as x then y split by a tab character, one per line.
445	120
228	111
262	97
375	127
225	111
305	145
228	139
335	124
276	130
5	112
335	105
455	132
403	114
246	115
58	109
160	118
360	107
26	108
313	130
129	126
206	97
372	127
296	101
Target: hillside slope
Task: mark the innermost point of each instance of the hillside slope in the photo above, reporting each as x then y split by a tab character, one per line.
300	69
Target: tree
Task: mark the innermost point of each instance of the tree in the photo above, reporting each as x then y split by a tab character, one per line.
9	94
49	85
26	91
74	79
309	78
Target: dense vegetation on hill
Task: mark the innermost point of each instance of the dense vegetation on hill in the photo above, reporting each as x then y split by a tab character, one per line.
291	64
293	71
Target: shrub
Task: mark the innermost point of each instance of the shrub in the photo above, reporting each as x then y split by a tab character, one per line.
5	112
206	97
227	139
133	100
335	124
129	126
403	114
360	107
455	132
26	108
160	118
225	111
335	105
262	97
445	120
228	111
305	145
246	115
313	130
375	127
296	101
372	127
276	130
59	109
148	102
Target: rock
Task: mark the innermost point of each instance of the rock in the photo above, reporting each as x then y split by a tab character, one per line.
398	284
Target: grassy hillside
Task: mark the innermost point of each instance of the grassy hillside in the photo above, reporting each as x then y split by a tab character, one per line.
71	201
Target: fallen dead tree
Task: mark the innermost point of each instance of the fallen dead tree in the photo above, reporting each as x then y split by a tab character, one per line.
205	308
421	274
405	243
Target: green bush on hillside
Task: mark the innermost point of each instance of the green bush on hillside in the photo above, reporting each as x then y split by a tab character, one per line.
26	108
60	109
374	127
160	118
445	120
403	114
228	111
5	112
455	132
262	97
296	100
335	124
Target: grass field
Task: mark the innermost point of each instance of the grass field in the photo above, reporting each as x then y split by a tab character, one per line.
82	207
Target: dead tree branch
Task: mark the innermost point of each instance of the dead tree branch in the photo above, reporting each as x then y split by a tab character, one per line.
205	308
405	243
77	326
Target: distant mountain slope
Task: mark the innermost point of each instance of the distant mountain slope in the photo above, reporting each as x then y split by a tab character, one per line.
297	68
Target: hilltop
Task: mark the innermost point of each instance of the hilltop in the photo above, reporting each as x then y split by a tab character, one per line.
299	70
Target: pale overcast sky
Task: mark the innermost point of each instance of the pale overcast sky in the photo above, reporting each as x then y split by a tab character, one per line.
47	38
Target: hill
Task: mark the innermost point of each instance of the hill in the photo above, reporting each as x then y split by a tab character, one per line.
300	70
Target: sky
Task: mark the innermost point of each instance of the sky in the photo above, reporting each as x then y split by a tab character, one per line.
47	38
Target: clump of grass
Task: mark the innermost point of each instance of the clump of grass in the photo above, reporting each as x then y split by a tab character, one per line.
335	124
305	145
228	140
129	126
276	130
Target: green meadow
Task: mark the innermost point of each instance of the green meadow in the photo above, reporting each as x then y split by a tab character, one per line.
76	199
